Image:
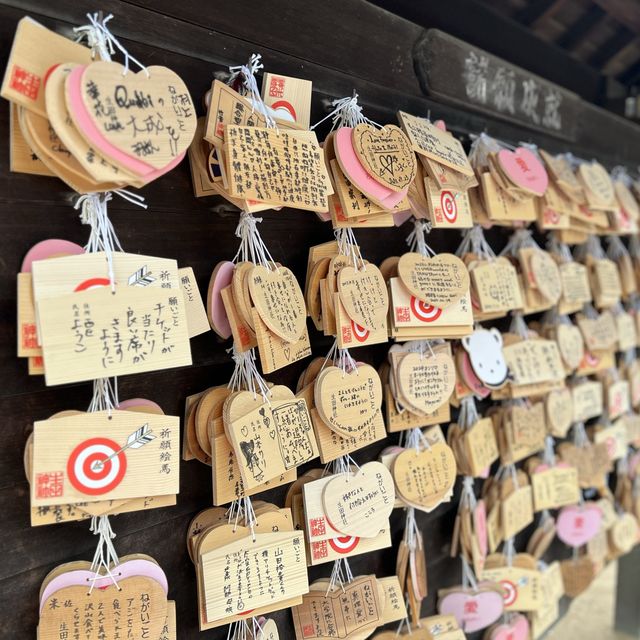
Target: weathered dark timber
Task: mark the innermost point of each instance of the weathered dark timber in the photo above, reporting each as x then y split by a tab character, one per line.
340	45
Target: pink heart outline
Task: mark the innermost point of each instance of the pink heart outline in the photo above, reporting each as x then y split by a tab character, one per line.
524	169
576	524
473	611
517	629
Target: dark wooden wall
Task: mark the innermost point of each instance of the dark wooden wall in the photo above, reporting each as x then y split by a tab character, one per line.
340	45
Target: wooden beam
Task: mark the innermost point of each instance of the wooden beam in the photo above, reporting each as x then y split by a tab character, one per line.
537	11
625	12
611	47
580	29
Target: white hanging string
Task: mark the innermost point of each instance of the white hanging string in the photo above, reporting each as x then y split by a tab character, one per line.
105	555
519	326
246	73
340	575
549	455
417	239
482	145
246	376
105	395
615	249
252	247
509	550
591	248
102	41
473	241
346	113
589	311
468	414
468	577
620	174
348	246
559	249
519	240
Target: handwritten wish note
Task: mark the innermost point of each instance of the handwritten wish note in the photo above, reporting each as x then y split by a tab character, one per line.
495	283
73	461
534	361
99	333
276	167
481	445
339	613
434	143
555	488
516	511
272	439
575	284
587	400
252	573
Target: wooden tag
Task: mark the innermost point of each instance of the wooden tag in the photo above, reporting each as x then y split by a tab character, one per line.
348	402
426	382
596	179
99	333
624	533
522	587
232	574
360	504
481	446
516	511
289	98
570	344
626	331
301	180
162	111
618	399
525	432
438	281
555	487
576	290
487	356
559	407
546	275
22	158
27	331
577	574
592	462
534	361
385	154
429	140
448	208
495	284
364	295
424	478
615	438
197	321
278	299
35	49
341	617
606	284
587	400
270	438
138	604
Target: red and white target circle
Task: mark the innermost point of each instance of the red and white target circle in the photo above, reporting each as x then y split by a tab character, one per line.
283	105
510	592
360	333
96	481
423	311
344	544
449	206
93	283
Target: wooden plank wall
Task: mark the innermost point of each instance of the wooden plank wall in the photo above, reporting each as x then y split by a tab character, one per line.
341	45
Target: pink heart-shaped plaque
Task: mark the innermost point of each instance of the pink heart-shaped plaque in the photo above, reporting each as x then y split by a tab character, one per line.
473	611
480	526
517	629
220	278
83	577
576	524
524	169
49	249
470	378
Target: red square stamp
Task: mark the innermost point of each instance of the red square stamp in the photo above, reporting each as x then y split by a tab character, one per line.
317	527
50	485
307	630
276	87
29	335
402	314
319	550
25	82
346	335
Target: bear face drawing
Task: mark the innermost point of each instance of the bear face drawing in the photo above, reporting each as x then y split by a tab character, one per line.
487	359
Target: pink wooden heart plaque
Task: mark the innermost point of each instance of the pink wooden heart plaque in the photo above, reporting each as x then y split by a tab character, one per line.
473	611
517	629
576	524
524	169
48	249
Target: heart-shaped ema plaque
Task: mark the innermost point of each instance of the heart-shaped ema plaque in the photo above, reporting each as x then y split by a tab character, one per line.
524	169
597	180
137	606
348	402
516	629
148	116
363	293
474	610
360	504
426	381
546	275
279	300
439	281
570	344
424	478
385	154
577	524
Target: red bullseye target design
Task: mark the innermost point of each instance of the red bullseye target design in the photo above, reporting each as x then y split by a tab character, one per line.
449	206
344	544
423	311
96	481
93	283
360	333
510	592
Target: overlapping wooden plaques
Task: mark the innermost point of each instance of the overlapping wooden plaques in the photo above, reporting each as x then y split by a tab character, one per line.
95	125
133	597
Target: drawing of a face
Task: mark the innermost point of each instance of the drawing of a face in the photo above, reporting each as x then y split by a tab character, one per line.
251	458
486	356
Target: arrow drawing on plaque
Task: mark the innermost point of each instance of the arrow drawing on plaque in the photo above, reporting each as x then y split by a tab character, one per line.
141	278
137	439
